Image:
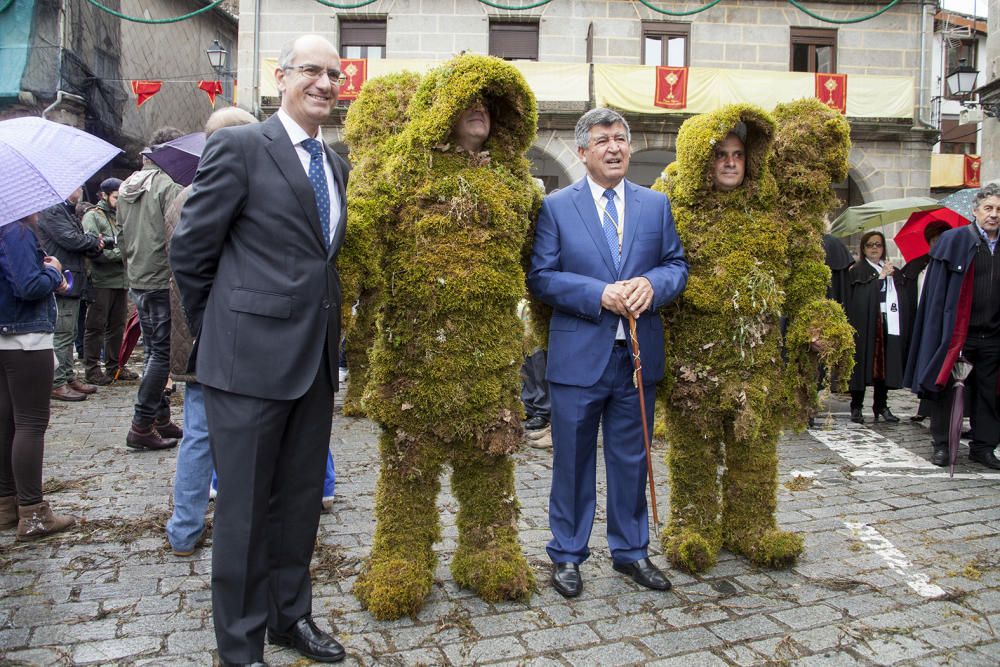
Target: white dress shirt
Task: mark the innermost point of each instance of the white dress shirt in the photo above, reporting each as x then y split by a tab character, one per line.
298	135
600	201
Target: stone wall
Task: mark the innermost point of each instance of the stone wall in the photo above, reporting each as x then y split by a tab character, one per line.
990	140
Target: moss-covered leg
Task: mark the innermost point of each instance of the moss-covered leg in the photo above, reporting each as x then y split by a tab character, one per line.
400	571
750	487
358	343
692	538
489	559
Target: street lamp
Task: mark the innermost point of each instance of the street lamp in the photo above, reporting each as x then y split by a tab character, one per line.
217	57
961	80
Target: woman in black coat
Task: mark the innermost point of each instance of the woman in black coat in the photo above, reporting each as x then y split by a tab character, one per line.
875	308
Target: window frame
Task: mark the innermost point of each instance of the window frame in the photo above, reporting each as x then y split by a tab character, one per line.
665	29
498	27
812	37
367	30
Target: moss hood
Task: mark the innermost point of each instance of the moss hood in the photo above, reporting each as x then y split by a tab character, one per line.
690	181
450	89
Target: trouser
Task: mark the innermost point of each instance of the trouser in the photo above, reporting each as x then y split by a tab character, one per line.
25	383
68	311
981	390
193	474
880	401
534	386
104	329
577	412
270	457
154	322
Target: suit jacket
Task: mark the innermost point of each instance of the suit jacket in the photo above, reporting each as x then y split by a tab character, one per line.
259	287
571	264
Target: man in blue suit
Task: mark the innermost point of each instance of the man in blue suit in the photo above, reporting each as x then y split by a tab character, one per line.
605	249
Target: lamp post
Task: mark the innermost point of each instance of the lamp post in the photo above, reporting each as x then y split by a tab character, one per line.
217	57
961	80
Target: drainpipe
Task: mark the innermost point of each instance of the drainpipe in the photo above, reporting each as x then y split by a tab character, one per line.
60	96
256	59
923	105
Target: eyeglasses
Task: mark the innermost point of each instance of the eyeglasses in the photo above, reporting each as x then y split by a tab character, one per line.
873	245
314	72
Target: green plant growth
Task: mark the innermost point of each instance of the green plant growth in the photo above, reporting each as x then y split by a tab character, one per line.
727	391
447	237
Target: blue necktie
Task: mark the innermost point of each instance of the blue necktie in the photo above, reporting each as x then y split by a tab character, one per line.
317	177
611	229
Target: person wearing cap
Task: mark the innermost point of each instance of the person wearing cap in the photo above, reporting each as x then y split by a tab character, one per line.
105	322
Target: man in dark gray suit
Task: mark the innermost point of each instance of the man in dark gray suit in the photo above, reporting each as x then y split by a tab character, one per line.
254	260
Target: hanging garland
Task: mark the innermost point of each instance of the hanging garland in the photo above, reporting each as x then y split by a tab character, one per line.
688	12
136	19
497	5
800	7
354	5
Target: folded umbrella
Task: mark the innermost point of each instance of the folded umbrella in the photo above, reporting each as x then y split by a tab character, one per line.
962	202
910	239
959	373
179	158
43	163
879	214
129	340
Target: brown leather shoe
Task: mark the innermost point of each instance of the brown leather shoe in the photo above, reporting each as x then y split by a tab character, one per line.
38	521
64	393
146	437
82	387
99	379
8	511
168	429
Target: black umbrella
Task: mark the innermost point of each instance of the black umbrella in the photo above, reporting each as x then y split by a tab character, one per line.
959	373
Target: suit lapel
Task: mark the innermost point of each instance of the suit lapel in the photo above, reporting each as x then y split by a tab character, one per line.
585	206
283	153
338	176
633	211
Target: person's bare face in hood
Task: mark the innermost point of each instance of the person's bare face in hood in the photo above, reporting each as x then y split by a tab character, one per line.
729	164
473	127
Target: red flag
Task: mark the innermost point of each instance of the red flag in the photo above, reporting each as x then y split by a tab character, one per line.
971	171
144	90
211	88
671	87
356	71
831	90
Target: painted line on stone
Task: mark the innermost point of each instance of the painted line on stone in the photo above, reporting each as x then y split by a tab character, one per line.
865	448
895	559
932	475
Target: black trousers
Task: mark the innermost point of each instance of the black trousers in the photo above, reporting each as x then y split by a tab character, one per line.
981	395
151	403
105	325
270	458
25	386
534	386
879	402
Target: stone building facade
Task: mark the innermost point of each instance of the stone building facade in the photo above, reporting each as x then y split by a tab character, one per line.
891	155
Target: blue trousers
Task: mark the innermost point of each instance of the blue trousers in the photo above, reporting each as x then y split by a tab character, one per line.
613	404
194	473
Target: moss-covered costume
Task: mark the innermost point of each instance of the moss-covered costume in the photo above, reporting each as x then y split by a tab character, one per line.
445	231
755	255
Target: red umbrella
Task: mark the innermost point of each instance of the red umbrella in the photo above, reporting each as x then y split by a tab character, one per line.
131	337
910	239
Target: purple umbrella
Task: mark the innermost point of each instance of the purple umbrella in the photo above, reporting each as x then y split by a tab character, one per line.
43	163
959	373
179	158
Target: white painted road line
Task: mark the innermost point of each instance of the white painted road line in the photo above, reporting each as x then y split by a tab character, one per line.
865	448
895	559
926	475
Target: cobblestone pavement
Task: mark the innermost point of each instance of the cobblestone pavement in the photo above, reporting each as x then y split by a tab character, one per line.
900	568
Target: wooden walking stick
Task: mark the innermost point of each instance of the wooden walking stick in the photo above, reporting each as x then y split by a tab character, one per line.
637	380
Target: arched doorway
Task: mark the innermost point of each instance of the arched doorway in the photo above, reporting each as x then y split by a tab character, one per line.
548	170
645	166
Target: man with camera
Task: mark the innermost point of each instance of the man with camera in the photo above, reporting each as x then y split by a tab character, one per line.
62	236
105	321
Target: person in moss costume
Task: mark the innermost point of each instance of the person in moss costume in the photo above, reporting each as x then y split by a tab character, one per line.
755	256
443	377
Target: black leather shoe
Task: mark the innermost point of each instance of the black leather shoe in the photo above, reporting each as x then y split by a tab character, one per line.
644	573
986	457
887	415
856	416
308	640
536	423
566	579
940	456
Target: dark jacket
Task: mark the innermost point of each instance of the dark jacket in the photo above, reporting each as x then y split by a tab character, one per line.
181	342
26	284
839	259
863	312
62	236
260	288
942	320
